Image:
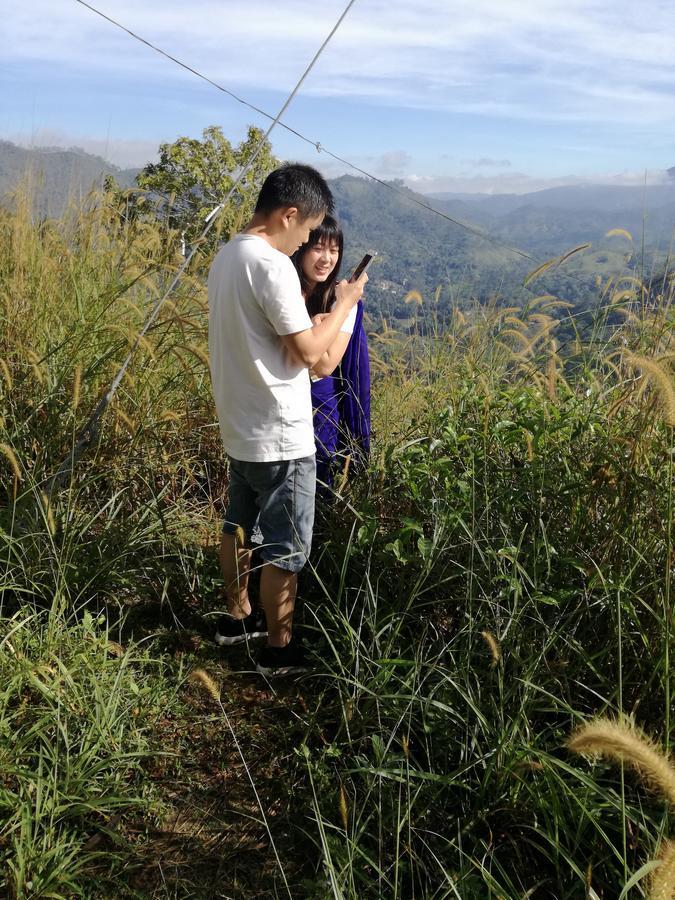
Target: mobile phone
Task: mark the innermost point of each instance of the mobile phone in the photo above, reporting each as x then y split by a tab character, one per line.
363	265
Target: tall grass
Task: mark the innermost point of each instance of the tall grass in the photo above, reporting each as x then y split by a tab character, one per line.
524	495
501	574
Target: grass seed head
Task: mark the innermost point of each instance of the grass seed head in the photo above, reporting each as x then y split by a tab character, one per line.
49	513
10	456
413	297
493	646
200	676
660	379
344	808
77	383
662	885
621	742
6	374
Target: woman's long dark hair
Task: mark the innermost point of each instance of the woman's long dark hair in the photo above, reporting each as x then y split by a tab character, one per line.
322	297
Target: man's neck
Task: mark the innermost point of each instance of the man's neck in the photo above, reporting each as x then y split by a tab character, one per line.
262	229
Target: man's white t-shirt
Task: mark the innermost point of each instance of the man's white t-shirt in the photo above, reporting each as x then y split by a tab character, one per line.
262	397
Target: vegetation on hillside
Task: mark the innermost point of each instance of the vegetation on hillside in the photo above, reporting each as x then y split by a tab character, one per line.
500	576
416	249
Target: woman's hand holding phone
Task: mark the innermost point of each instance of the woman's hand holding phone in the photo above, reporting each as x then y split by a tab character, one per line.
351	291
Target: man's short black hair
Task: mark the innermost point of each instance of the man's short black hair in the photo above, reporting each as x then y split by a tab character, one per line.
294	184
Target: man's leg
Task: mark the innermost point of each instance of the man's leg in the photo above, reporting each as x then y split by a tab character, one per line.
278	588
286	521
235	563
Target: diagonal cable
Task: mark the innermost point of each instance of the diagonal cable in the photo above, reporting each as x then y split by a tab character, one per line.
91	428
316	144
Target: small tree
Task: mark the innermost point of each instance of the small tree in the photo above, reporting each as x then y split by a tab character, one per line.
193	176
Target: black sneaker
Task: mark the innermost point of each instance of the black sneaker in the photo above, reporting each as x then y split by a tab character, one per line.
286	660
235	631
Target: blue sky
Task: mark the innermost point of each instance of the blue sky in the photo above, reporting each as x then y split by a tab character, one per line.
492	96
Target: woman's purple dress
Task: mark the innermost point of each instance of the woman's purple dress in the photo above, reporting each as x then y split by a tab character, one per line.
341	404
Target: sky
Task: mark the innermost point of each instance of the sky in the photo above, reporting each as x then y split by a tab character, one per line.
493	96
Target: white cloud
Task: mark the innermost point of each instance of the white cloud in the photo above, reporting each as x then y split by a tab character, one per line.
486	162
393	163
566	60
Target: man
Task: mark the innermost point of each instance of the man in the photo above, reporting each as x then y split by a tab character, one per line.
261	344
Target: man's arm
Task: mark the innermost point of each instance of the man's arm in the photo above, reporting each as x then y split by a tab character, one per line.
308	347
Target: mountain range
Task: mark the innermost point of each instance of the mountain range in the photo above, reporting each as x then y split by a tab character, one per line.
508	235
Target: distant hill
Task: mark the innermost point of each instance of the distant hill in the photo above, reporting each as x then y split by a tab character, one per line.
610	198
421	251
546	221
418	250
60	174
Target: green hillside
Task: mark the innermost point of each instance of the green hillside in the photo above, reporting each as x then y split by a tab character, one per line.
56	175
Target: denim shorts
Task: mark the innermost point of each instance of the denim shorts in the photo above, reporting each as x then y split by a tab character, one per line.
276	499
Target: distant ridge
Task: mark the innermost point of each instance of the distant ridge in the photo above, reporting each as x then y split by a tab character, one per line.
61	173
606	198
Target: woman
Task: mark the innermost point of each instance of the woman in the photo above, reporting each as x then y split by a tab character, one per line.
341	380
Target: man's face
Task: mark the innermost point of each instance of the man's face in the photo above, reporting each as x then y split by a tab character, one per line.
297	230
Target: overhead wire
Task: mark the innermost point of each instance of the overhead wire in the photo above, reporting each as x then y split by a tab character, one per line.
89	431
317	145
407	195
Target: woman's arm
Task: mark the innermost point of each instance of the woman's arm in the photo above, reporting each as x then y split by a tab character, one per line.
309	347
332	357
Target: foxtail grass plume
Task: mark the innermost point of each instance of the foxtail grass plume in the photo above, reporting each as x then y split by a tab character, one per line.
662	886
203	678
529	444
553	263
344	808
127	421
77	384
621	742
199	352
493	646
344	474
620	232
49	513
6	374
35	366
660	380
10	456
413	297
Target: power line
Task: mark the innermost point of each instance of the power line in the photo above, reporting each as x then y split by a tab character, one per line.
407	195
318	146
90	430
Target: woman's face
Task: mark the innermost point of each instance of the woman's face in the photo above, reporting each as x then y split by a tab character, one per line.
320	260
